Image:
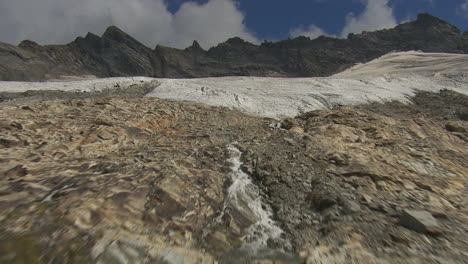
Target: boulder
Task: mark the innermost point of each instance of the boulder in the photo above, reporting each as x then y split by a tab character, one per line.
420	221
351	207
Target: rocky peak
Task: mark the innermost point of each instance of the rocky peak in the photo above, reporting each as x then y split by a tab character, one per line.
92	37
236	41
29	45
231	48
195	47
122	43
429	21
302	38
116	34
91	41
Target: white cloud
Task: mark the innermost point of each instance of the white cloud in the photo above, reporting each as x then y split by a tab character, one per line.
463	9
211	23
312	31
149	21
377	15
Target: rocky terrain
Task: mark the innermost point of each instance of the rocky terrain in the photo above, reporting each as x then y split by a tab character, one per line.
116	53
113	177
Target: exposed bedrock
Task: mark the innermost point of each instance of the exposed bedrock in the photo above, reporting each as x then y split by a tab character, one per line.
145	180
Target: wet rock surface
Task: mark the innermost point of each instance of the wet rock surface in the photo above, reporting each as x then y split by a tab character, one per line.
143	180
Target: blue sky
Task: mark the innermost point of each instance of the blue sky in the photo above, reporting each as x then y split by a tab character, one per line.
273	19
177	23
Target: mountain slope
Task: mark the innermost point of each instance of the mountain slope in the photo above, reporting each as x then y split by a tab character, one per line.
392	77
118	54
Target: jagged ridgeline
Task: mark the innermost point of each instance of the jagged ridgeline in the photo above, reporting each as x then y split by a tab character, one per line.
118	54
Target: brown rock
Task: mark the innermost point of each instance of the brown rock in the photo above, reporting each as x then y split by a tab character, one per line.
18	171
456	127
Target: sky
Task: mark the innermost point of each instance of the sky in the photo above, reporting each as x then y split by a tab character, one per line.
177	23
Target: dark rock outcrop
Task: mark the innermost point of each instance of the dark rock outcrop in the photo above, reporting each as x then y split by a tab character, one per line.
118	54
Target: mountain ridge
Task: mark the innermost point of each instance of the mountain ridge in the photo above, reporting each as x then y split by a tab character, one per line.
116	53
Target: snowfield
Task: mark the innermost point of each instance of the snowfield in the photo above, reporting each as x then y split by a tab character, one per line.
279	98
395	76
437	65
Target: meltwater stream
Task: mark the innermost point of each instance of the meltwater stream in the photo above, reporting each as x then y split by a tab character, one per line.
244	198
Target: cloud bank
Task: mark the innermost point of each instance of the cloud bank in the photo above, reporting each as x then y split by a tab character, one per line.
377	15
149	21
